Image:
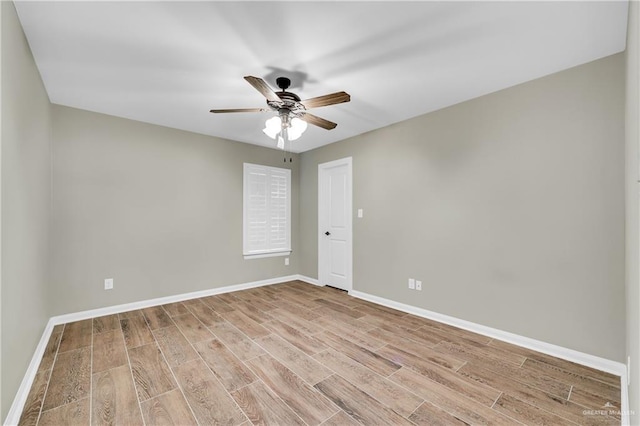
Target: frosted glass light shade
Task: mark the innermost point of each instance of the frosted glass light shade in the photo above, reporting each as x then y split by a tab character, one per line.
273	126
297	128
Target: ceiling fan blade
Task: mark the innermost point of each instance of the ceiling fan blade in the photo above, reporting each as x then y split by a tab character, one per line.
218	111
332	99
317	121
262	87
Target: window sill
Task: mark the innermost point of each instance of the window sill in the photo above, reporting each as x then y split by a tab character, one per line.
263	255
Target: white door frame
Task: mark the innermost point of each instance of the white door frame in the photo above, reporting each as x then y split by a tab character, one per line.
322	269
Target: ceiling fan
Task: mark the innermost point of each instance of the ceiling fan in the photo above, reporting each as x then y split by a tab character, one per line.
292	112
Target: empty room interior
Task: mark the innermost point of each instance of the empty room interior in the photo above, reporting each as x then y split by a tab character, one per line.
312	213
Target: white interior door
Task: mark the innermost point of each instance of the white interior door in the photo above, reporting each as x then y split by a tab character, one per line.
334	224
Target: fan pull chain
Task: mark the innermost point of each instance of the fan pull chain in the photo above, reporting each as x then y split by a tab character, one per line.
284	148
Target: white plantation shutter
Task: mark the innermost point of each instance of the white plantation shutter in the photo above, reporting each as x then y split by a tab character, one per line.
267	211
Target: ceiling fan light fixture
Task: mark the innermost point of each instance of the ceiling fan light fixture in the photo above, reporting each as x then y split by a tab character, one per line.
274	128
287	126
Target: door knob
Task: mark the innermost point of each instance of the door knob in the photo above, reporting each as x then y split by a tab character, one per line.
327	233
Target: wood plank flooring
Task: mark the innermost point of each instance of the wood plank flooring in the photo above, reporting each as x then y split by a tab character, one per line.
293	353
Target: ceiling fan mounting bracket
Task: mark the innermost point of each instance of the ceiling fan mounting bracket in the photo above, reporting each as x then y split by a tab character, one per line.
283	83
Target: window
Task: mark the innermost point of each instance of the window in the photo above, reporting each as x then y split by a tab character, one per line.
267	211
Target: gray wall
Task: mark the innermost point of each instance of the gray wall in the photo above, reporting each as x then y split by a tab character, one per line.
156	209
633	202
26	198
509	208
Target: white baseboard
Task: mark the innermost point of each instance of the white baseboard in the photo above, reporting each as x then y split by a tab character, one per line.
13	417
603	364
624	400
92	313
309	280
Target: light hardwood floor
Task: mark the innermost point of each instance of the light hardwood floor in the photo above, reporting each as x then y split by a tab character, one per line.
294	353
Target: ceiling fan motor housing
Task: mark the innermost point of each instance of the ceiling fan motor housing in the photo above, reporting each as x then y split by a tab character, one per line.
289	102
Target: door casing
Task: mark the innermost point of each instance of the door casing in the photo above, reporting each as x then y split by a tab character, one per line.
323	212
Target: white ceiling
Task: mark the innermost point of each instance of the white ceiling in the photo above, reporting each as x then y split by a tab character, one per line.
169	63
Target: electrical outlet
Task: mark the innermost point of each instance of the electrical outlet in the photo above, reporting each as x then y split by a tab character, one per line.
412	283
108	284
286	261
418	285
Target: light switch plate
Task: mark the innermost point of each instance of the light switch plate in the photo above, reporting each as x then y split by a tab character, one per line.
360	213
412	283
418	285
108	284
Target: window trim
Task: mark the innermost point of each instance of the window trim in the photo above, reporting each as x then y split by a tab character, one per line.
269	252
